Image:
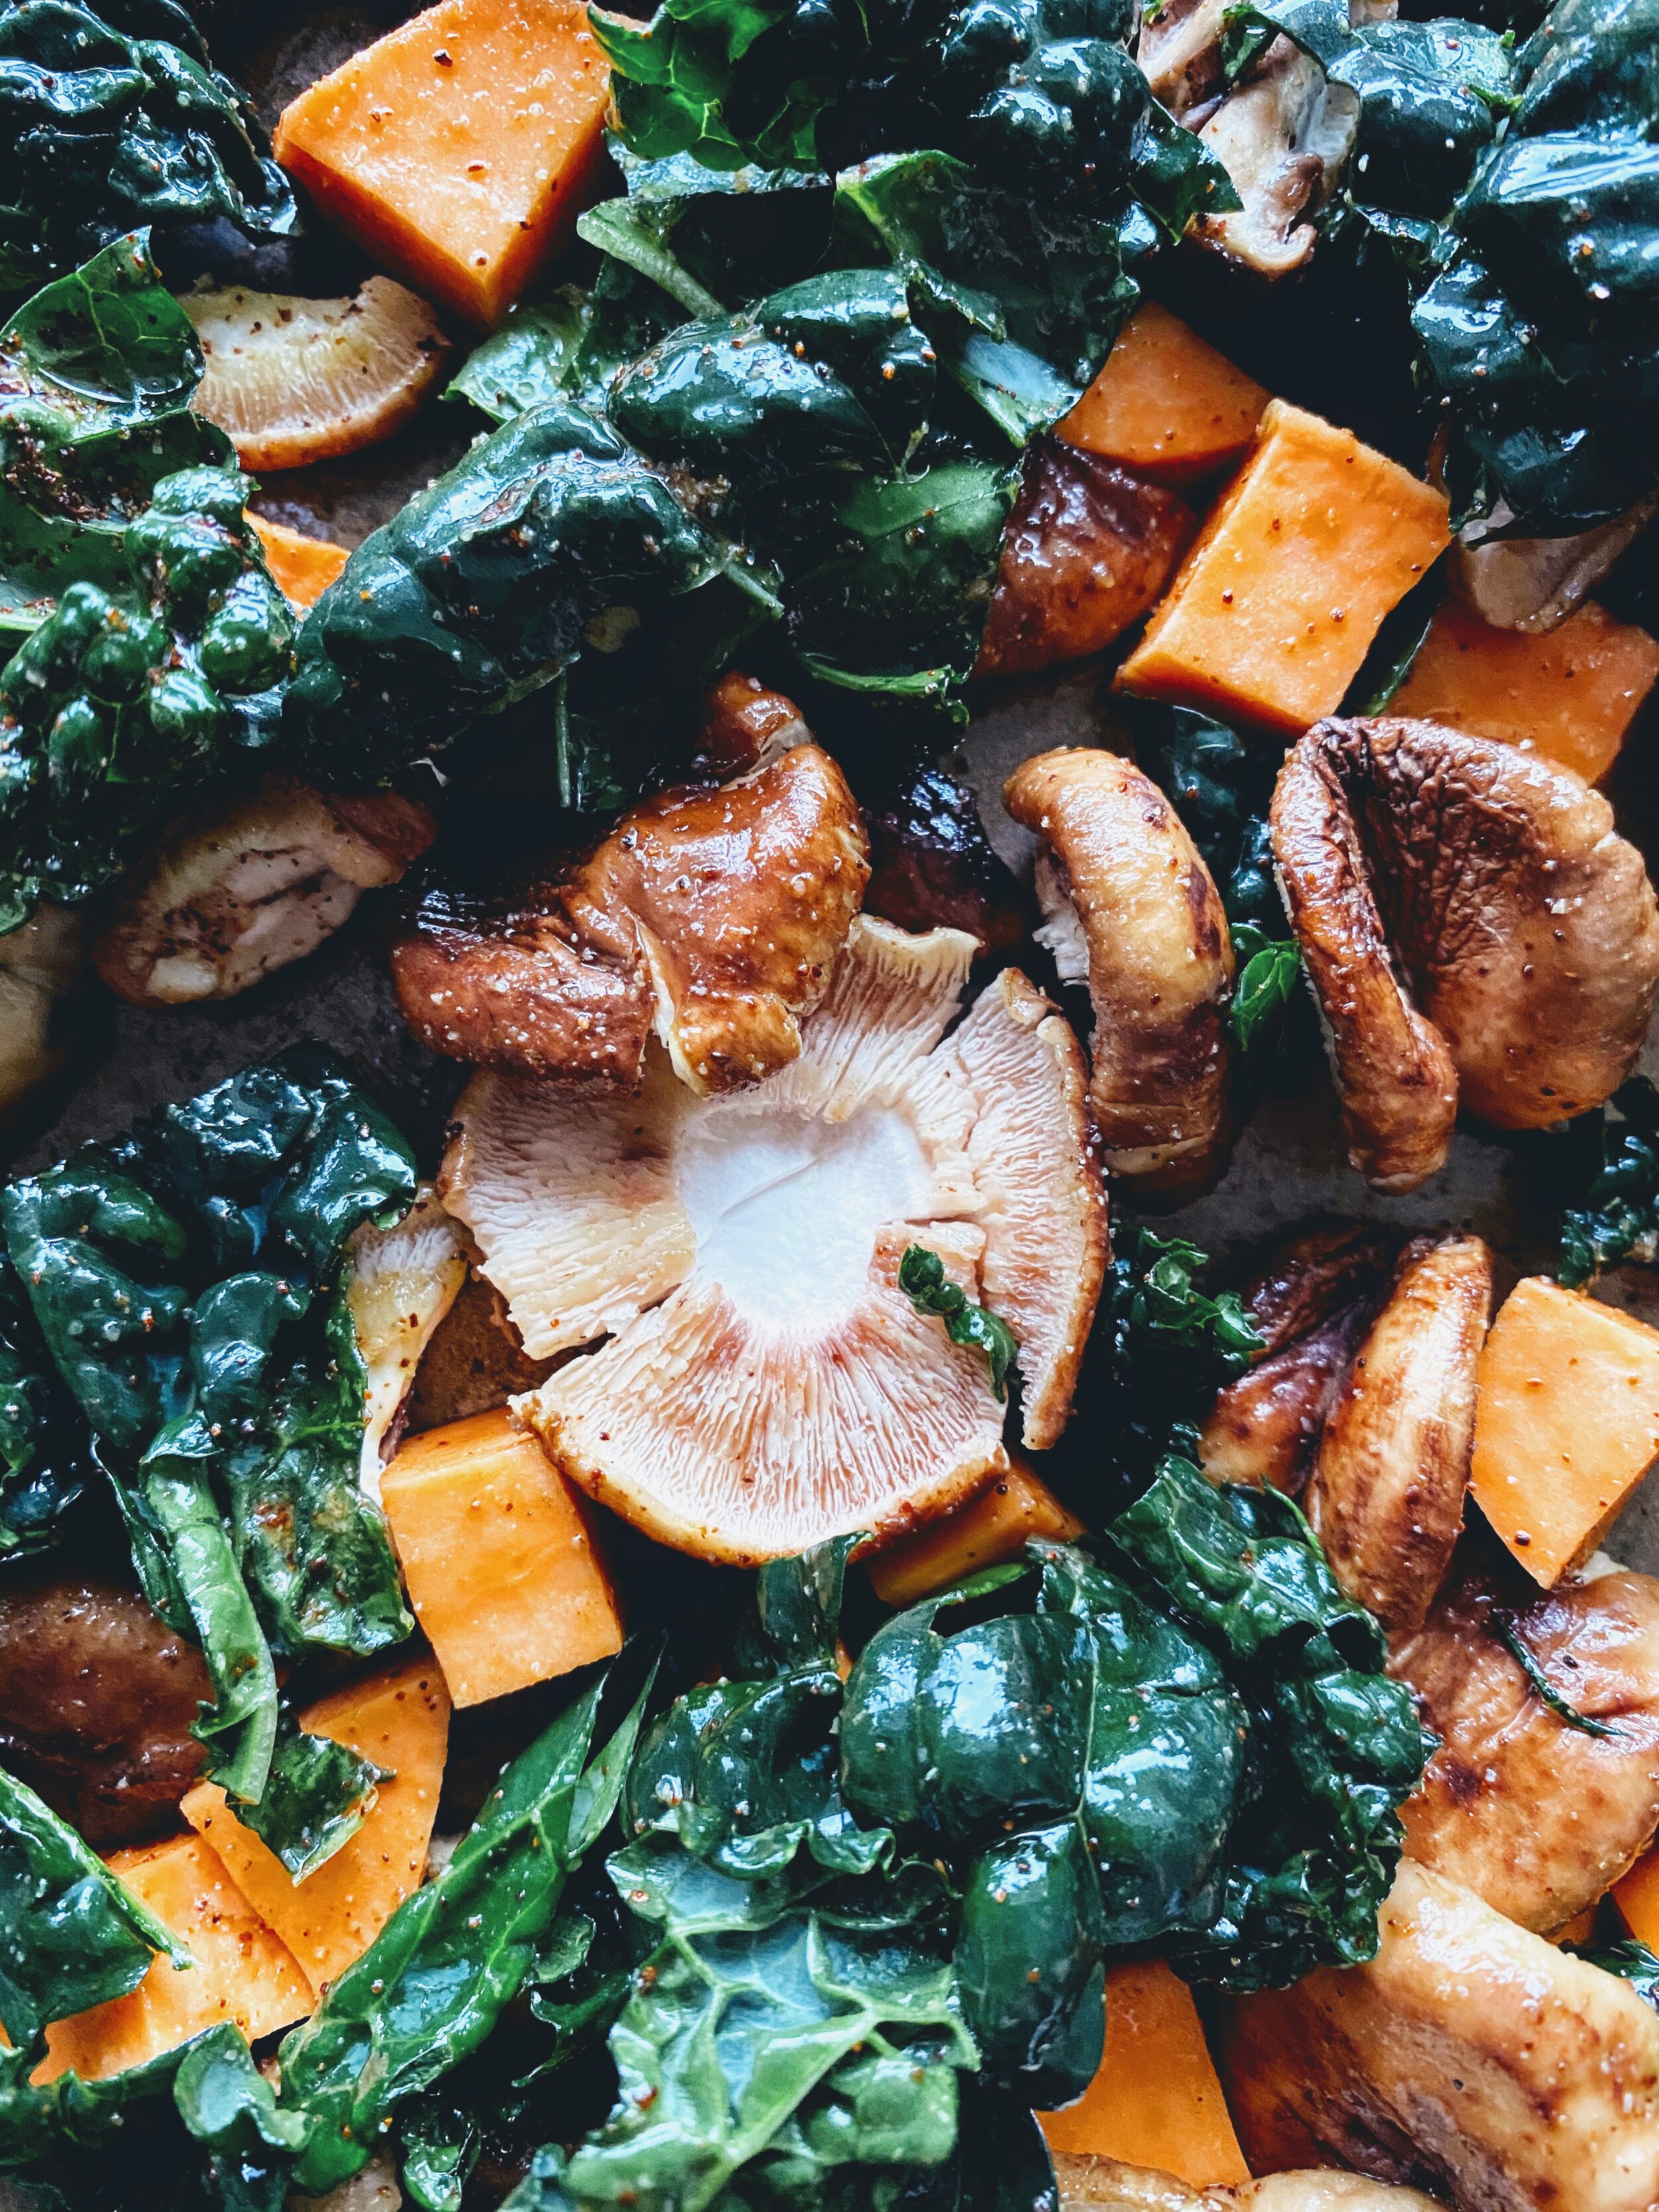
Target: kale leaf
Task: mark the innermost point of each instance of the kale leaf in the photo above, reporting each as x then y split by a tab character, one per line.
923	1282
1620	1217
119	698
185	1282
317	1796
44	1446
97	373
114	117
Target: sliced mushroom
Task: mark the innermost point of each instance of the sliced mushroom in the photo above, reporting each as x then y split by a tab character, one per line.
743	727
246	886
766	1383
295	380
1088	549
932	867
97	1698
1538	1817
399	1283
1469	2057
1312	1309
1283	137
713	917
41	964
1092	2183
1386	1499
1494	885
1535	583
1180	53
1134	908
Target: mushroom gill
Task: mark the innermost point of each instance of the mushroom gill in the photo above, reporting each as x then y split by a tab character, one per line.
711	917
765	1383
1473	927
1135	912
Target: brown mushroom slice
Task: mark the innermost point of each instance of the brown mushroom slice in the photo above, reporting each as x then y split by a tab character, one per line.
1536	1816
474	1363
1126	887
1495	882
713	917
1283	137
247	886
742	726
1535	583
399	1283
1092	2183
1180	53
41	964
932	867
740	898
294	380
1314	1278
1386	1499
1088	549
1469	2057
767	1385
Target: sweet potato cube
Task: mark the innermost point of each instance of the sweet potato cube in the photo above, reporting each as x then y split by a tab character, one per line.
1165	404
302	567
1571	692
1277	604
1566	1423
400	1721
990	1528
499	1556
460	149
243	1972
1156	2100
1637	1898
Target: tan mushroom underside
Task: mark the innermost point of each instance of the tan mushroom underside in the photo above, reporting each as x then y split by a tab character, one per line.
1090	2183
765	1383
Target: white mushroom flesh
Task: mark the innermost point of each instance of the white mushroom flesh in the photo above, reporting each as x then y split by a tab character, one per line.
399	1283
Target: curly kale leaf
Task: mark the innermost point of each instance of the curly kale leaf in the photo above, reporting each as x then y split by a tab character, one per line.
115	700
186	1283
1333	1746
482	589
923	1282
1620	1218
1538	328
45	1447
113	116
97	373
316	1797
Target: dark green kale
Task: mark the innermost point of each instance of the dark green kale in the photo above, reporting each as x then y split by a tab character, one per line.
226	2104
1620	1218
44	1447
315	1798
923	1282
111	117
120	699
97	371
186	1283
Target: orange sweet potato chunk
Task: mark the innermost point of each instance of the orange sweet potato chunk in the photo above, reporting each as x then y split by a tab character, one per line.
1637	1898
243	1973
460	149
1571	692
399	1720
1166	404
302	567
1156	2100
1276	605
499	1558
990	1528
1566	1422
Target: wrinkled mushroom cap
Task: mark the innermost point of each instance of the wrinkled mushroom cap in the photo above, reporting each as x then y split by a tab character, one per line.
765	1383
710	917
1133	910
1526	929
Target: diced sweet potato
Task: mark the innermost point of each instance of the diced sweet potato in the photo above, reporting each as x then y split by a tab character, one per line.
243	1972
400	1721
1087	551
989	1530
1571	692
1637	1899
1166	404
303	568
1277	604
503	1569
1156	2100
1566	1423
460	149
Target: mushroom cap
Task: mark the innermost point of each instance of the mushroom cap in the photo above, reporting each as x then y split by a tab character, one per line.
1160	961
1386	1499
1092	2183
766	1384
1535	1816
1527	928
711	917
